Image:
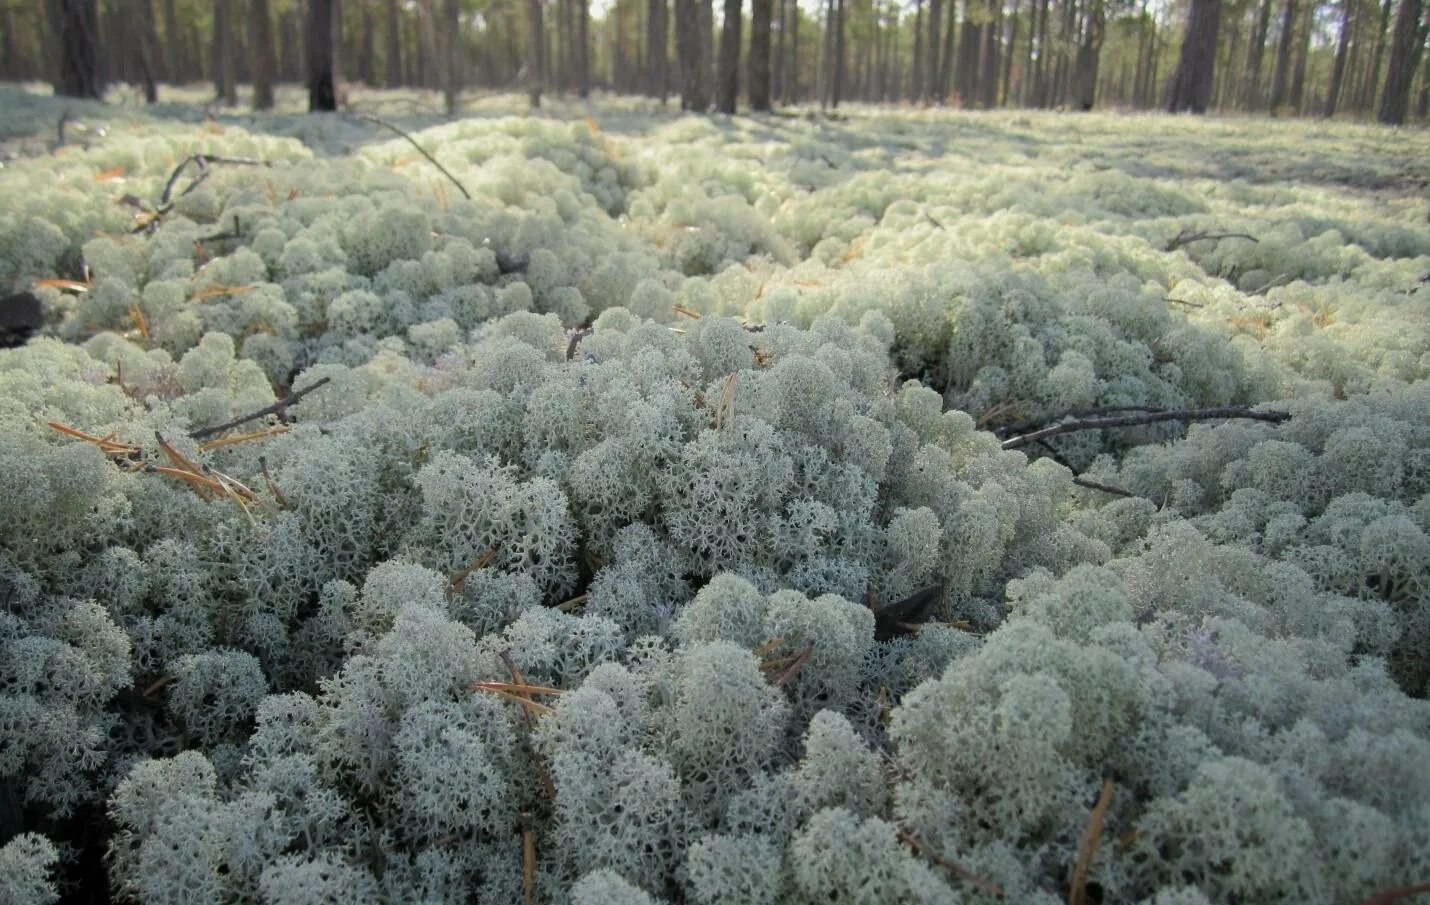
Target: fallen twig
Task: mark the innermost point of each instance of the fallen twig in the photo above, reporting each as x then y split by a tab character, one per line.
1087	849
202	161
1150	417
953	867
1090	484
459	577
1186	237
279	408
421	150
1172	301
1395	895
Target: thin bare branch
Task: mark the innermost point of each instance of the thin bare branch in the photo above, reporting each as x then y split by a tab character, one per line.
1187	237
368	117
953	867
1207	414
279	408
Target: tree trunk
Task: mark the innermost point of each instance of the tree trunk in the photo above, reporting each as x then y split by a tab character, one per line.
759	81
945	63
76	22
1040	81
688	46
794	83
777	73
1367	95
966	70
1280	82
451	54
260	44
1190	90
221	56
1406	43
1088	53
367	47
1338	69
989	56
175	66
930	90
1303	52
655	53
583	45
916	78
1255	53
837	88
535	52
322	56
1006	88
394	46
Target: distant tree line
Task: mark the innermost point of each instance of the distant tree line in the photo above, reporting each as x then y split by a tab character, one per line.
1308	57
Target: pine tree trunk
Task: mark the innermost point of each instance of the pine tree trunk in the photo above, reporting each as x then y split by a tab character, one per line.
655	54
394	46
759	80
1367	95
222	54
1280	82
1255	53
838	85
535	52
777	74
989	56
1006	86
583	46
930	90
322	56
260	43
451	55
1338	69
794	83
1406	43
1303	50
1190	90
946	60
916	77
367	47
1088	53
175	66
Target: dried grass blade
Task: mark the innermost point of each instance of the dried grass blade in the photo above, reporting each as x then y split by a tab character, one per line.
789	674
529	706
273	431
70	285
682	310
528	865
220	291
515	688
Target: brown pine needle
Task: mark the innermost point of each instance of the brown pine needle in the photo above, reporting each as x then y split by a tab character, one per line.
725	411
528	865
789	674
682	310
459	578
178	459
768	647
107	445
205	487
1395	895
69	285
273	431
140	324
156	685
218	290
514	688
272	487
575	603
528	705
1087	849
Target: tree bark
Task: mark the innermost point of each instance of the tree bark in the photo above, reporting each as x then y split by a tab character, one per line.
1255	53
656	57
777	71
1303	52
1190	90
916	78
77	26
322	56
451	54
260	44
583	47
367	47
935	35
838	88
394	46
759	80
1280	82
1338	69
225	89
535	52
1367	96
989	56
946	59
1407	41
1088	53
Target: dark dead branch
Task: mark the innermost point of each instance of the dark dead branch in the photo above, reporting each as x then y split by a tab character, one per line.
1208	414
236	233
953	867
279	408
1395	895
1171	301
1187	237
1078	479
203	162
368	117
1022	427
60	129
